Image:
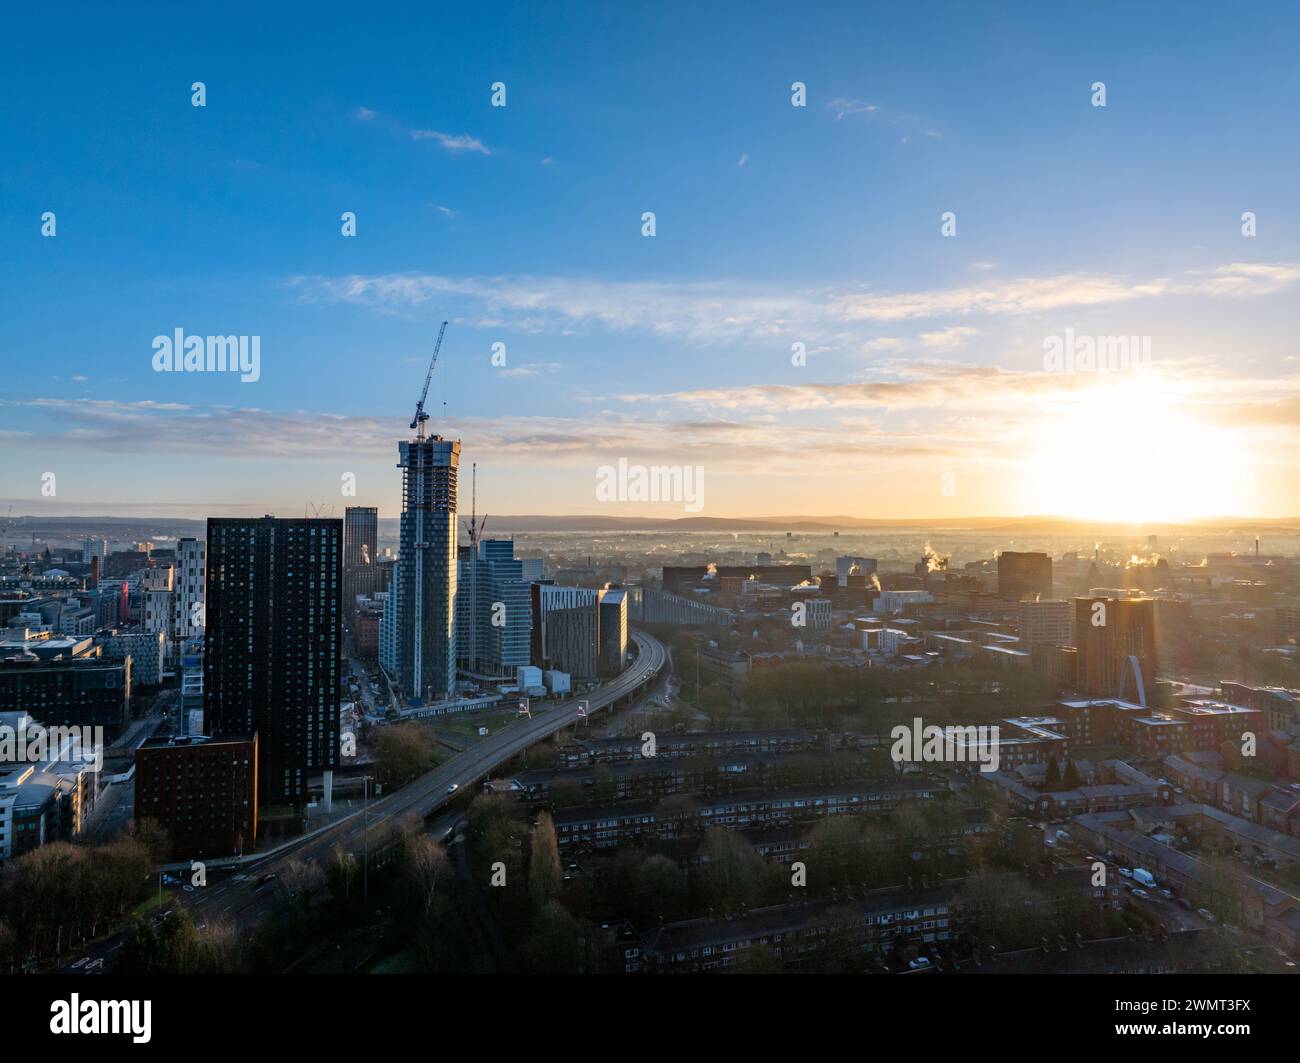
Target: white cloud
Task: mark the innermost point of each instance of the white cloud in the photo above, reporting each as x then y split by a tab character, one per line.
949	338
842	106
706	312
454	144
530	369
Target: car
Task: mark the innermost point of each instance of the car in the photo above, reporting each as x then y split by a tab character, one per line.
188	888
1141	893
919	963
1126	872
453	788
1184	903
267	878
1205	914
81	962
1167	894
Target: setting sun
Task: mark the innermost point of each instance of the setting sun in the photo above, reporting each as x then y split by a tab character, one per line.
1130	450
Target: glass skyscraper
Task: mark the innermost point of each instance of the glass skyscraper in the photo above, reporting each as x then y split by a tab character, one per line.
426	576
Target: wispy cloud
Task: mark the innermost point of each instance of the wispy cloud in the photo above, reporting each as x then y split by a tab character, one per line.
843	106
908	412
707	312
948	338
454	144
530	369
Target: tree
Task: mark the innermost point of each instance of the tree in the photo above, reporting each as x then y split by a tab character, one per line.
1053	775
560	944
402	752
544	873
732	874
1071	780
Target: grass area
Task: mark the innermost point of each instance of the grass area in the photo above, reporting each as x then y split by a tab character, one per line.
152	903
467	725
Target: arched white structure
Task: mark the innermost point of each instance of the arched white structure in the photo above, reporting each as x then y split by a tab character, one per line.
1132	664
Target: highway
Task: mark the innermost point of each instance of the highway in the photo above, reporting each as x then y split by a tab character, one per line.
247	902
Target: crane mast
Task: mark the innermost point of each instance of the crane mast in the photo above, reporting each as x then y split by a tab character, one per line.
420	416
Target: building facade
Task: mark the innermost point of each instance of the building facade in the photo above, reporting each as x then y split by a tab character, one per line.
426	582
1024	575
274	638
202	791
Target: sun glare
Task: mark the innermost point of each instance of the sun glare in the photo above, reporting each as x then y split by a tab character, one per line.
1128	452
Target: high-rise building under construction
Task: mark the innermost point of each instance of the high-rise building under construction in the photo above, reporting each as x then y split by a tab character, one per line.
425	583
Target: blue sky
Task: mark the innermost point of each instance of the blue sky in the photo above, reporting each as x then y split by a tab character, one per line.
923	393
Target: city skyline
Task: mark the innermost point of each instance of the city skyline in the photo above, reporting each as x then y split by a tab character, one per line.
930	385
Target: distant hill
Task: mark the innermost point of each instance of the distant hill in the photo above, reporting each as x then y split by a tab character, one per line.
60	528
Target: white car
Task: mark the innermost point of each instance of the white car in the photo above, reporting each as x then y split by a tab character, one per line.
918	963
453	788
1141	893
1126	872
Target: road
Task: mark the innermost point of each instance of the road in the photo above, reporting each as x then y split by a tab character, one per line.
248	901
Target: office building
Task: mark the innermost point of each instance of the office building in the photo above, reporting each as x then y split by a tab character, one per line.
144	648
494	609
271	662
1024	575
572	639
202	791
188	590
613	631
82	692
361	574
93	548
1116	640
1045	622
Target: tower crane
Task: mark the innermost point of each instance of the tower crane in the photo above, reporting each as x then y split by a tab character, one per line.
420	416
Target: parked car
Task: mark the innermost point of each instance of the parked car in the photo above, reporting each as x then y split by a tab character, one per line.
1126	872
453	788
1205	914
1167	894
918	963
1141	893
